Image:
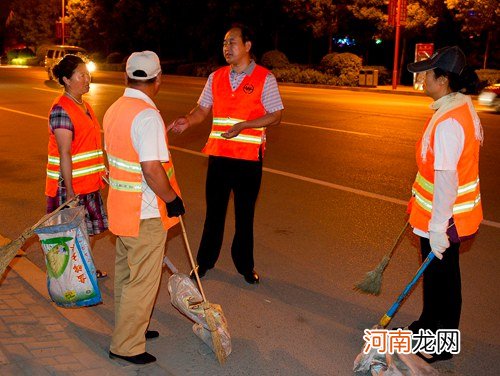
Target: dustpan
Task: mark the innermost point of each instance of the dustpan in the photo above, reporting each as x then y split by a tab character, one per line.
210	324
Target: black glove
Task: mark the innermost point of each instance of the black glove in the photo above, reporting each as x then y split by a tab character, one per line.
175	208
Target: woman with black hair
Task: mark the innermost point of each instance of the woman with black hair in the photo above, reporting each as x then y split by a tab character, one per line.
75	157
446	203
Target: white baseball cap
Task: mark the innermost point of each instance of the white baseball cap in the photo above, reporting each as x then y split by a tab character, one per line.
143	65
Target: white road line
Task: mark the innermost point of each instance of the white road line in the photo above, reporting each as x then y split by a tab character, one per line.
330	185
49	90
24	113
295	176
330	129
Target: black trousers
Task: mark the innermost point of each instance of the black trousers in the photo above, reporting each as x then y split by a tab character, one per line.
243	179
442	290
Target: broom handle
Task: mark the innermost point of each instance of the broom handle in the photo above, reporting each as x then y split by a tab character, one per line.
51	214
398	239
190	254
384	321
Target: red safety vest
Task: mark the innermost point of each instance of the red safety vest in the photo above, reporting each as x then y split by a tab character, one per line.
125	173
86	151
467	210
231	107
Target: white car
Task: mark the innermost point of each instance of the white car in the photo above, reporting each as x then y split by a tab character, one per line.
490	96
55	53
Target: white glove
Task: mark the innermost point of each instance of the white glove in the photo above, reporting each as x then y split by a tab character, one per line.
439	243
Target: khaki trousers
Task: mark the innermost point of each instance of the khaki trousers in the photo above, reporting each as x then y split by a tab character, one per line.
138	266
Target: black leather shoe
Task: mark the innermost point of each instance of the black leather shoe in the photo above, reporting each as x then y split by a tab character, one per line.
150	334
252	277
143	358
201	272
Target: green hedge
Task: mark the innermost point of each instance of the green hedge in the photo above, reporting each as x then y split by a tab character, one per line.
274	59
488	76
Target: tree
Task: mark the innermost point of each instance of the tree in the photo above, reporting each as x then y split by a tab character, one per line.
86	23
477	17
319	16
34	21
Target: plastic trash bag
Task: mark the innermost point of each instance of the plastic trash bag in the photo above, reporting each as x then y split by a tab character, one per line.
71	274
186	297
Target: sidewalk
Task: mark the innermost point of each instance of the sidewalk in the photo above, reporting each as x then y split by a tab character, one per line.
39	338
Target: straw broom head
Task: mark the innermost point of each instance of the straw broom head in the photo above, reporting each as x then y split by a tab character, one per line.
9	250
219	351
372	283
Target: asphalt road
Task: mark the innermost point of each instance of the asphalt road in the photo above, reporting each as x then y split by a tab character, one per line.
337	174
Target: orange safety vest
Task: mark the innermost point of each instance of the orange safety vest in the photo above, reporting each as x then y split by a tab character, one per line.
231	107
467	209
125	173
86	151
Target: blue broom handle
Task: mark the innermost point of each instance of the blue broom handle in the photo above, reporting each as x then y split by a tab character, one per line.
388	316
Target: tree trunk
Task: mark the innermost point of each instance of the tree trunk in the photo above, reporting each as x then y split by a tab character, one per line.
487	50
403	54
330	42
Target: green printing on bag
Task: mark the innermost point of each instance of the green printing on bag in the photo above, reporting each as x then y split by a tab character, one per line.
57	257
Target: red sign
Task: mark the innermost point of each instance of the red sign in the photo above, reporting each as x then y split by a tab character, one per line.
59	28
393	11
423	51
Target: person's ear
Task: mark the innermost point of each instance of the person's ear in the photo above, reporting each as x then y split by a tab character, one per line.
66	81
248	46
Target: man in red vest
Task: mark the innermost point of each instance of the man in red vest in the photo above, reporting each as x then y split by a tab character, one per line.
244	99
143	203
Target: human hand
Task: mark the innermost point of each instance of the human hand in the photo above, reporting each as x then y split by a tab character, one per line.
233	131
439	243
175	208
179	125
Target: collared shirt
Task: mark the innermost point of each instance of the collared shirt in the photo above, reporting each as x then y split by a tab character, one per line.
271	98
148	137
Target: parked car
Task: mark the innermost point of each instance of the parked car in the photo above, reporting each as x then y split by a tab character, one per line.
21	56
490	96
55	53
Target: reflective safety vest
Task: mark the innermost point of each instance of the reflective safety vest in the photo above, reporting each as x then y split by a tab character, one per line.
467	210
86	151
231	107
125	173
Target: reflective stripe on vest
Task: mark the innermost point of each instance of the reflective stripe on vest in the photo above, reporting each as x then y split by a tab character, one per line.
77	172
463	207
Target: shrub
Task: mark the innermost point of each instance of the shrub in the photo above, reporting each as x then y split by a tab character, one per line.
114	58
488	76
341	64
97	57
274	59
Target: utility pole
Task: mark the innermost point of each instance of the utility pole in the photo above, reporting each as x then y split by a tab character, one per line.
62	23
396	46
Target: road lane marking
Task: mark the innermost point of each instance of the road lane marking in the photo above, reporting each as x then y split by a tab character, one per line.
49	90
323	183
290	175
23	113
330	129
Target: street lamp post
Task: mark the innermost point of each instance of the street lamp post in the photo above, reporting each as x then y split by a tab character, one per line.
62	22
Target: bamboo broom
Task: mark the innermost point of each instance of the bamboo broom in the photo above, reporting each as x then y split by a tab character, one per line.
372	283
9	250
209	308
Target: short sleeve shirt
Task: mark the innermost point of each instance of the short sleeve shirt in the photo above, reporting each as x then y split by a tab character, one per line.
148	137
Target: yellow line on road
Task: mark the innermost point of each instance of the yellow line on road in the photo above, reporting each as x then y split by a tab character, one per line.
330	129
24	113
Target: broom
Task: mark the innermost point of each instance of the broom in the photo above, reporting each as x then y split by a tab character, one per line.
210	311
9	250
372	282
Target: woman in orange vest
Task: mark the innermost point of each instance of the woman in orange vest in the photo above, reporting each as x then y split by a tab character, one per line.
75	157
446	204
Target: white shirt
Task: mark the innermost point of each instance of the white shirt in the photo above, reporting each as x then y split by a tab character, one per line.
449	142
149	141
